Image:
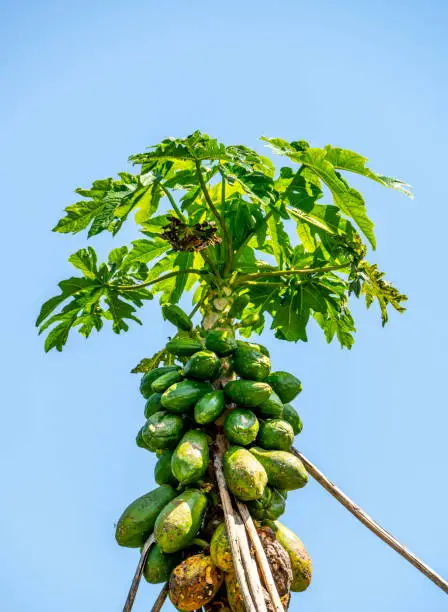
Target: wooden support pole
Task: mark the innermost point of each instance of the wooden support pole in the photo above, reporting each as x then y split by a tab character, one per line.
370	523
232	532
260	555
138	574
250	566
161	598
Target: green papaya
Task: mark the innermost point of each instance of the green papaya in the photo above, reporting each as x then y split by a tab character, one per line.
238	306
244	474
179	521
221	341
136	523
203	365
175	315
298	555
162	383
241	427
162	471
159	565
183	346
284	470
162	430
269	507
220	549
276	434
254	346
251	364
153	404
291	415
150	377
209	407
190	458
286	385
247	392
139	439
182	396
272	407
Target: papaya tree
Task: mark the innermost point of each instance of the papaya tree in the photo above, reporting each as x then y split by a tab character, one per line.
251	245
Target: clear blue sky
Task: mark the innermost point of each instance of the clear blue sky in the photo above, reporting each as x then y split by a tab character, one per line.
84	84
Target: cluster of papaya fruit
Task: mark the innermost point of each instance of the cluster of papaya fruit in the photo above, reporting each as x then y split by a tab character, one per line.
219	386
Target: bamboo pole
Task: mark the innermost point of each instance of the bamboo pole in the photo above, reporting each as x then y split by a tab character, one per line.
370	523
161	598
232	531
138	574
261	558
250	566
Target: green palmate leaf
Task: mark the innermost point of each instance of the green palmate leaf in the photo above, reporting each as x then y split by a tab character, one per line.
68	287
375	288
144	251
336	320
198	147
183	261
345	197
149	363
278	240
119	310
148	203
85	260
155	225
343	159
116	256
291	318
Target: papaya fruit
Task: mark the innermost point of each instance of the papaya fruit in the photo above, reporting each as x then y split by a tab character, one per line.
272	407
150	377
284	470
139	439
183	347
286	385
175	315
221	341
136	523
153	404
251	364
190	457
182	396
254	346
244	474
291	415
238	305
220	549
162	430
203	365
209	407
269	507
163	473
162	383
241	427
194	583
279	563
159	565
179	521
247	392
300	560
234	596
276	434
